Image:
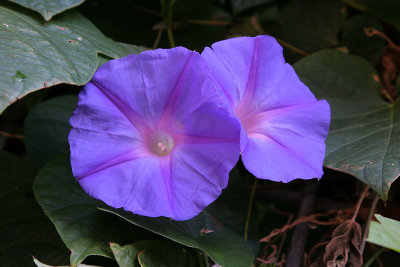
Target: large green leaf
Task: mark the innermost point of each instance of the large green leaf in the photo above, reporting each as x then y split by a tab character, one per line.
225	248
364	137
24	229
309	25
48	8
385	233
35	54
84	229
386	10
46	127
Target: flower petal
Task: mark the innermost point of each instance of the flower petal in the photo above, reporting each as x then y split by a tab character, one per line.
92	115
135	109
265	93
200	171
136	186
245	67
288	143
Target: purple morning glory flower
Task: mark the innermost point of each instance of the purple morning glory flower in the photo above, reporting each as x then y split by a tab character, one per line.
150	135
284	126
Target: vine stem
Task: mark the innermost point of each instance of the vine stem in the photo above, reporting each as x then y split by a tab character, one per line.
366	228
359	202
170	36
374	257
246	226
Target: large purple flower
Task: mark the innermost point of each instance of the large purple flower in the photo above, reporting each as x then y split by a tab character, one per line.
149	135
284	126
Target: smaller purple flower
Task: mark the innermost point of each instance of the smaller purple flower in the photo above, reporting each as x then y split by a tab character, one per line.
284	126
149	135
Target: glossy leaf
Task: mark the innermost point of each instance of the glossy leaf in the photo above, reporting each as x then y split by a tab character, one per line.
385	233
24	229
48	8
224	248
35	54
364	138
84	229
46	127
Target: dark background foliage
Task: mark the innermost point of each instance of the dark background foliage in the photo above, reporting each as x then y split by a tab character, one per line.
347	52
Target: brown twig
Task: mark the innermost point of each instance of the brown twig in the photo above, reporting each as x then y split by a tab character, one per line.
313	218
372	31
210	22
359	202
10	135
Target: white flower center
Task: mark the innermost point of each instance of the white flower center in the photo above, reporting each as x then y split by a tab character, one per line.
161	144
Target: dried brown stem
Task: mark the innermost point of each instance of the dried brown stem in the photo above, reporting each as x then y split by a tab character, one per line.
313	218
359	202
10	135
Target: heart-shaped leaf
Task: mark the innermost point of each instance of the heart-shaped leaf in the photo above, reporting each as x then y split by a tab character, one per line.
35	54
225	248
364	138
84	229
48	8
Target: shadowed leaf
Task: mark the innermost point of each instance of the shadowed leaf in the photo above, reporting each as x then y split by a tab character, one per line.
48	8
364	137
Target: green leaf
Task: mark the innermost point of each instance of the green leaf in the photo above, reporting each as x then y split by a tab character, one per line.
24	229
364	137
133	49
84	229
240	5
48	8
385	233
166	253
224	248
35	54
127	256
46	128
386	10
309	25
358	43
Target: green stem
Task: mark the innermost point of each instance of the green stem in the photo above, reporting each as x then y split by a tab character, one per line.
200	258
170	36
374	257
246	226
